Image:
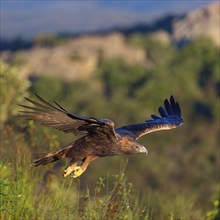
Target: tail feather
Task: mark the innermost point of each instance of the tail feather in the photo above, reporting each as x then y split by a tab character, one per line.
45	158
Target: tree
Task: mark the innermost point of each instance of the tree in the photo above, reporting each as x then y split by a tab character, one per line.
13	89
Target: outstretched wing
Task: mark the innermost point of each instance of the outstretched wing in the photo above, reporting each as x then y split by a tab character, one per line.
59	118
170	117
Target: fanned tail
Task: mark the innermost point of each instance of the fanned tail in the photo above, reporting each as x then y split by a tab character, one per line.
45	158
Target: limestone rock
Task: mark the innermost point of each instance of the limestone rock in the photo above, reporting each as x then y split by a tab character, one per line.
79	57
204	22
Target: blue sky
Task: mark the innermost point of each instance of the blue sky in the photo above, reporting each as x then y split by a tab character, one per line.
28	18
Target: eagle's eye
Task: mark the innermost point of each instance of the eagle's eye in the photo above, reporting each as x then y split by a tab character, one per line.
136	147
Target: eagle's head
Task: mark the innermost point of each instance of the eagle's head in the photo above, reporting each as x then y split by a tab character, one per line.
128	146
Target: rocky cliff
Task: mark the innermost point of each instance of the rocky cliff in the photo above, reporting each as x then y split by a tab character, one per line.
79	57
204	22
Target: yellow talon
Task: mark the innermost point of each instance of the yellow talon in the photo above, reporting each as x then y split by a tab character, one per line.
77	172
67	171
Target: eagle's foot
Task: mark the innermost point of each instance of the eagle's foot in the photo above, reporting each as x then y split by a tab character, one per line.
77	172
67	171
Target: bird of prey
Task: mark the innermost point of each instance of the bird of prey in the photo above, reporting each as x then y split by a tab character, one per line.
98	136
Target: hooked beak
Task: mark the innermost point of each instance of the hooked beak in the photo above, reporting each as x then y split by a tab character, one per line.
143	150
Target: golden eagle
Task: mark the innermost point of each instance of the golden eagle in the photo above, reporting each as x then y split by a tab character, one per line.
99	137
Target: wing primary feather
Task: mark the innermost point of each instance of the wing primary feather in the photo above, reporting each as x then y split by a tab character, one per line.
178	109
86	119
46	103
173	104
29	107
60	106
55	116
78	117
155	117
168	107
24	112
38	104
162	112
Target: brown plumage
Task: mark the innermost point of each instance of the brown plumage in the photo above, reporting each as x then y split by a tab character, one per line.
98	138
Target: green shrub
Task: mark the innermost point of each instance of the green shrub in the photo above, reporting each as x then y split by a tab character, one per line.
13	88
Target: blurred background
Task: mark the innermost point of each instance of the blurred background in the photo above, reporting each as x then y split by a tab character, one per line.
117	60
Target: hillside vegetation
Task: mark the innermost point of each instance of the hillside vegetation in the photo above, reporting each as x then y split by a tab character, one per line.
178	179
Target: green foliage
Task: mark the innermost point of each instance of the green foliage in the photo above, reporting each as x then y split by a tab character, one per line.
50	86
172	217
176	181
158	53
6	198
118	77
33	193
214	214
120	203
26	192
13	88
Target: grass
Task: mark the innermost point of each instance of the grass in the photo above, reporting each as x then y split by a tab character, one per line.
41	193
30	193
25	196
